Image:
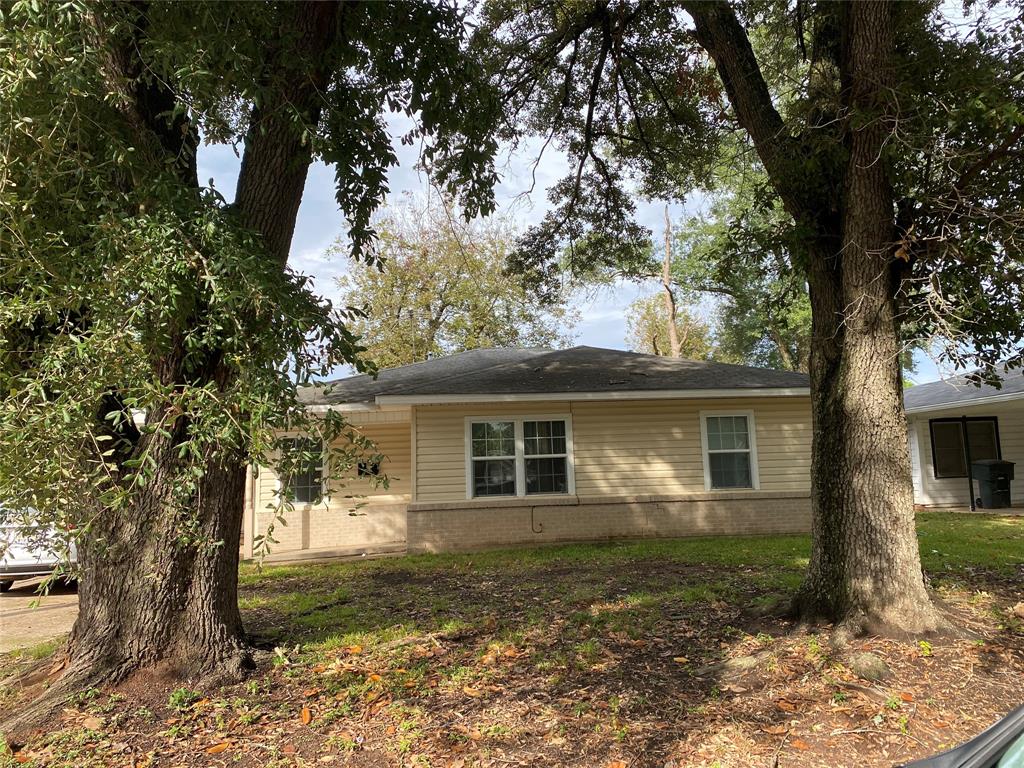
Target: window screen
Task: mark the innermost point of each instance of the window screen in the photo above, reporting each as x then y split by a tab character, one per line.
949	458
728	451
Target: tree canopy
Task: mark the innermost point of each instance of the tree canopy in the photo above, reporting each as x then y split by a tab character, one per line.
113	250
628	91
647	330
888	135
437	285
151	334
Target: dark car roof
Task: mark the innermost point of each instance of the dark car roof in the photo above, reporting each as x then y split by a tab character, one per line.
540	371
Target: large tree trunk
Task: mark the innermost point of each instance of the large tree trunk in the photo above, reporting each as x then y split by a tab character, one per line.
147	597
159	577
865	568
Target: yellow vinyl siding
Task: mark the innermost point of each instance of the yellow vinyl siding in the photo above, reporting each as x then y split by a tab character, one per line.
380	518
393	439
624	447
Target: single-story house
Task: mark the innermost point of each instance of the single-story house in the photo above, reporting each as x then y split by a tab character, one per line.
500	447
954	420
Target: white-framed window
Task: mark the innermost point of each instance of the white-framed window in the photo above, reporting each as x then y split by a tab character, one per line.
304	478
519	456
729	446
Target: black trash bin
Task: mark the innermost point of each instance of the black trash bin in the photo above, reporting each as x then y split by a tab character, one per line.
993	476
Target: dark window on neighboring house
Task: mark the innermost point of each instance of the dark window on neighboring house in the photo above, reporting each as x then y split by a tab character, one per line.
368	468
949	455
305	477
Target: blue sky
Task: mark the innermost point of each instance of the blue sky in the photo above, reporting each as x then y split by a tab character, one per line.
320	222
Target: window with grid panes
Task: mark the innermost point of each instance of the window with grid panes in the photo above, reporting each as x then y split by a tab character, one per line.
518	457
493	452
728	448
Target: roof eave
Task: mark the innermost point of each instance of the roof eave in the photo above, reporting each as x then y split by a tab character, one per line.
661	394
953	404
344	407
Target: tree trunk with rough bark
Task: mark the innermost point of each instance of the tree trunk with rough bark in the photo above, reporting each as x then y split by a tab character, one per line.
152	592
146	598
865	570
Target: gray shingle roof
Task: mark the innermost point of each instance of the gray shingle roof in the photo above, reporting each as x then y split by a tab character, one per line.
391	381
540	371
958	390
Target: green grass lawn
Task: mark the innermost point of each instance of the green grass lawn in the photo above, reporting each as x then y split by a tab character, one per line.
334	604
579	656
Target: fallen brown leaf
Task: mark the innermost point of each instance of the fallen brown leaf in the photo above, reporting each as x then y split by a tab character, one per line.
216	749
307	716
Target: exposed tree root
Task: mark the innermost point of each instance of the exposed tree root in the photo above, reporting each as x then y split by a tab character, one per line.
903	622
94	672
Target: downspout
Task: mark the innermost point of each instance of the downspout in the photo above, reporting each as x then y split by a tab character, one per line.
967	456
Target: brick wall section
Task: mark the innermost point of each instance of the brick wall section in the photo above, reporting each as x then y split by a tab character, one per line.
320	526
451	526
379	519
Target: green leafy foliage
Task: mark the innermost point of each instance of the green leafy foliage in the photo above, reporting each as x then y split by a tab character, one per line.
647	330
137	311
441	288
741	255
624	89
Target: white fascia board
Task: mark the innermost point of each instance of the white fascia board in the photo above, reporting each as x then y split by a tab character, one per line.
343	407
958	405
666	394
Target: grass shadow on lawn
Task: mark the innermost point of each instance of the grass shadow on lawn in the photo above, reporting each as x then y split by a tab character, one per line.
513	590
619	636
354	602
640	654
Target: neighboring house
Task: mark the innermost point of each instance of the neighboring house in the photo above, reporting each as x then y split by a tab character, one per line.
941	414
501	447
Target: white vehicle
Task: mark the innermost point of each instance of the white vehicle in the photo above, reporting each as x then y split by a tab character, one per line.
26	553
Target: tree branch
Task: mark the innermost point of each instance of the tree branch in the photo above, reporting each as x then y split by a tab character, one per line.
1003	150
720	33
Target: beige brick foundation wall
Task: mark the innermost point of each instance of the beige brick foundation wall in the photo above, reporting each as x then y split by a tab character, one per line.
377	525
450	526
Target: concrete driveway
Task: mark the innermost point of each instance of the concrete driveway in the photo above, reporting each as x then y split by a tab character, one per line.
22	626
